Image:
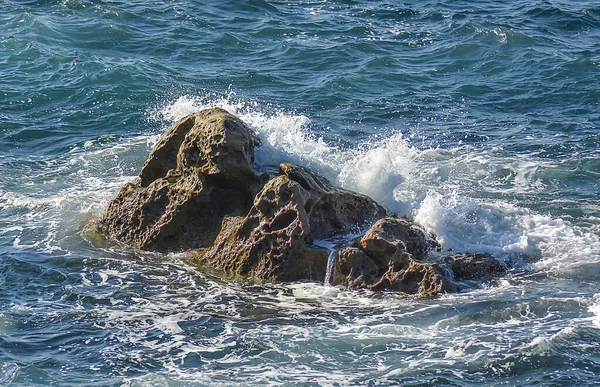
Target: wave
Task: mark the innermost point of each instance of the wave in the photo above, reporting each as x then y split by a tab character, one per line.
441	189
44	204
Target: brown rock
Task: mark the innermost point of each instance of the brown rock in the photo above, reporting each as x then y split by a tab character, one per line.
213	141
163	156
198	190
332	210
174	213
383	259
199	172
273	242
354	269
219	145
478	267
270	243
425	279
357	270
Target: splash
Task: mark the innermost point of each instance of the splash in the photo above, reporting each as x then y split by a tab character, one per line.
330	265
452	193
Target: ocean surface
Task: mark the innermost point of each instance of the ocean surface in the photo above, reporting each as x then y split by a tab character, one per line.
479	119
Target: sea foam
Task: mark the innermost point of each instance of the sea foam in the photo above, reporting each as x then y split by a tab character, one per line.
437	187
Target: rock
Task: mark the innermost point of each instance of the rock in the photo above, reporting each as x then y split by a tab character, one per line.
198	173
198	192
425	279
211	141
390	235
332	211
354	269
270	243
478	267
220	145
273	242
385	259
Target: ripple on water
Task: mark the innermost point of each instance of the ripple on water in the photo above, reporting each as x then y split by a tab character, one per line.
8	371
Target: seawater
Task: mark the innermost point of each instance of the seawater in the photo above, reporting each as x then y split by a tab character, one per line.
480	120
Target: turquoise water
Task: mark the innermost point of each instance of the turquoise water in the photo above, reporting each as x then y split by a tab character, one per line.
481	120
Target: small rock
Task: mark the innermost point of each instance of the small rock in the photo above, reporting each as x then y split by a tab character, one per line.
384	259
397	234
354	269
332	211
425	279
478	267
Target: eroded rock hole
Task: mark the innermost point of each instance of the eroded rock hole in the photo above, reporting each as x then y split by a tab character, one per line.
283	220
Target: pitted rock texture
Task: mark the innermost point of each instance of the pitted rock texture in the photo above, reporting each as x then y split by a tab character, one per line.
273	242
387	258
331	210
199	172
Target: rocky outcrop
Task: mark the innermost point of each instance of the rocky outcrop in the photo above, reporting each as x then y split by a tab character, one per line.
475	267
198	192
199	172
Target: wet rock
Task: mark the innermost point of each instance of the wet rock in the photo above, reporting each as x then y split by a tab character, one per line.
385	258
332	211
425	279
273	242
477	267
198	192
198	173
397	235
354	269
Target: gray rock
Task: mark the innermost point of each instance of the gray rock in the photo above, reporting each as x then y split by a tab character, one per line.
477	267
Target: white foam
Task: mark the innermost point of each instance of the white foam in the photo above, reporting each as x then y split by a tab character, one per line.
595	309
549	344
463	224
284	136
64	193
8	372
441	189
149	380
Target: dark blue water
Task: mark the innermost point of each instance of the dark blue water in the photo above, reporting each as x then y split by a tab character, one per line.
481	120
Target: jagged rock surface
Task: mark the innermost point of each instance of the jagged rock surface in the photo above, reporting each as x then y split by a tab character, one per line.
273	242
386	258
198	191
199	172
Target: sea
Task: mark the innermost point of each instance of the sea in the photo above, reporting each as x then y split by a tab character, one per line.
480	120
